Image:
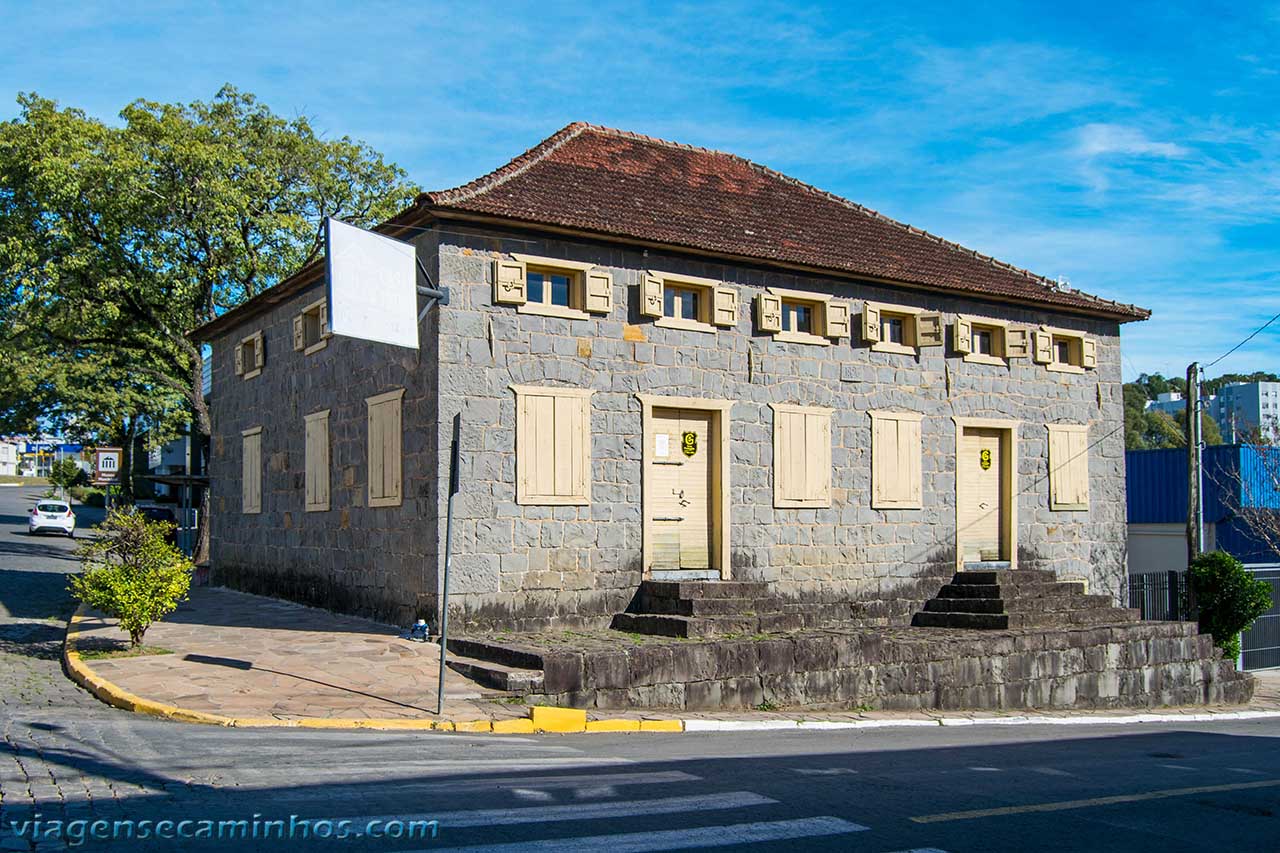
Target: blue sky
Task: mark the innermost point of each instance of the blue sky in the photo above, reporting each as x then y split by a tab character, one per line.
1132	148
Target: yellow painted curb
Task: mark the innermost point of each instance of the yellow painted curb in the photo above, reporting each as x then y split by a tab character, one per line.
473	725
613	725
567	720
661	726
519	726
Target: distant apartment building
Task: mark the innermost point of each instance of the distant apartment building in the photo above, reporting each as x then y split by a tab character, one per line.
8	459
1244	407
1171	403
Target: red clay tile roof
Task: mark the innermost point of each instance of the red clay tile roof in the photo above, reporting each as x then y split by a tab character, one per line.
612	182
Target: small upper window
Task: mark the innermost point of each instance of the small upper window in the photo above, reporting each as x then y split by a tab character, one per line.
1066	352
987	341
1063	351
801	317
687	302
250	356
898	329
797	317
311	328
684	303
893	329
572	290
983	340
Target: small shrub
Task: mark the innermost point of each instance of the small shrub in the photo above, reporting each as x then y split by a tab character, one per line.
1229	598
88	496
132	572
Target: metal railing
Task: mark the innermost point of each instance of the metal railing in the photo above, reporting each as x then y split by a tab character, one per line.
1160	596
1260	645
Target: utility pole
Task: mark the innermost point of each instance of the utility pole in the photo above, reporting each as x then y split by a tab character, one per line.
1195	505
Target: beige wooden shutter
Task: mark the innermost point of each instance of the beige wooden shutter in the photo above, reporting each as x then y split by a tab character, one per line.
769	312
1068	467
299	333
251	471
324	320
837	319
385	462
509	282
650	296
801	456
239	358
259	352
726	307
870	323
1015	343
317	461
929	330
376	454
1041	347
963	336
1089	352
553	446
896	452
599	292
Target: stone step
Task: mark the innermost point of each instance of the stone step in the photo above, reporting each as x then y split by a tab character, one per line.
1041	604
666	625
1002	576
1028	590
493	652
978	621
704	589
508	678
1075	618
707	606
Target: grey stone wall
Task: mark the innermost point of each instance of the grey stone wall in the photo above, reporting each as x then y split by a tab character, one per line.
536	567
379	562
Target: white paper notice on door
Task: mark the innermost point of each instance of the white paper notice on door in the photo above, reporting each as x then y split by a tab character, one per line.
661	444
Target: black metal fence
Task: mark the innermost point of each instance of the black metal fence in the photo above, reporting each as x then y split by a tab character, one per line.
1160	595
1260	645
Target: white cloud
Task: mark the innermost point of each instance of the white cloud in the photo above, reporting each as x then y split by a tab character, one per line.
1099	140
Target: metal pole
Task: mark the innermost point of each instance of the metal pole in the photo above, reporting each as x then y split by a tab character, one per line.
1199	464
455	456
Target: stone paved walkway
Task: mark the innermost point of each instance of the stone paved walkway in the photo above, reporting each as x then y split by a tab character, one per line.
241	655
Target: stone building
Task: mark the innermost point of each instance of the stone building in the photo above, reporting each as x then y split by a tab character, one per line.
670	363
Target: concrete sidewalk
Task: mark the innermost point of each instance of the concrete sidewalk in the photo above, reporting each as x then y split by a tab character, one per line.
237	655
240	655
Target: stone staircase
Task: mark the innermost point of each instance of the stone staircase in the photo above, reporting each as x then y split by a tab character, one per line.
699	609
497	666
1018	598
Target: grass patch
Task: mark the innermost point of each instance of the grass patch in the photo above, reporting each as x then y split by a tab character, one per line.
23	481
766	705
113	652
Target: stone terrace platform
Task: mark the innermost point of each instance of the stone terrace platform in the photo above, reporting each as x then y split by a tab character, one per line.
1131	665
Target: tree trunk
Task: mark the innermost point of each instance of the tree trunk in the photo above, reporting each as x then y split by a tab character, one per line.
202	427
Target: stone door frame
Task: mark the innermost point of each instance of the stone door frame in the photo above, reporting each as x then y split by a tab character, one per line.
719	506
1008	486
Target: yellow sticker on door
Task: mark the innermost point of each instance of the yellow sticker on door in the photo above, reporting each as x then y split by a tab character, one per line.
984	459
689	444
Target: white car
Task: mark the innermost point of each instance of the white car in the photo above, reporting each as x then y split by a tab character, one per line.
52	515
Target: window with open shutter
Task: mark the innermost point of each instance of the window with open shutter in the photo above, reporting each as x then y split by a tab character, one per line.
801	456
769	313
385	463
553	446
896	453
317	461
1068	467
251	473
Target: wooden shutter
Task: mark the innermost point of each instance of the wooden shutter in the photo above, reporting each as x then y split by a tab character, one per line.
769	312
509	282
239	357
259	352
650	296
385	463
251	471
725	311
599	291
801	456
929	330
1016	344
870	323
553	446
1068	467
299	333
1041	347
837	314
963	336
1089	352
317	461
896	452
323	320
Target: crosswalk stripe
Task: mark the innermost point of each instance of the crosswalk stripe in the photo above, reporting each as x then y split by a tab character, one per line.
672	839
461	786
581	811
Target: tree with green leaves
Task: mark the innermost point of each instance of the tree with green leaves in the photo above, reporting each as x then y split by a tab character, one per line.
118	240
132	572
1228	598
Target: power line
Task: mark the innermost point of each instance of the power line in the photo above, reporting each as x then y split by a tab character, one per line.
1256	332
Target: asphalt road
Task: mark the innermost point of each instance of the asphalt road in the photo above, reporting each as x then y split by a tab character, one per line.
65	758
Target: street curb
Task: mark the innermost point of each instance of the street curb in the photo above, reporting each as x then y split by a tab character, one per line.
545	719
